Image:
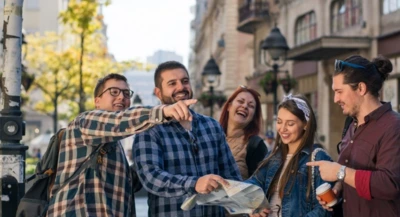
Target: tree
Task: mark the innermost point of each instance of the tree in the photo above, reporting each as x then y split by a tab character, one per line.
52	67
56	67
80	17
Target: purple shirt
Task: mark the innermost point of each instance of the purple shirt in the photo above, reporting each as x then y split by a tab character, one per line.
374	146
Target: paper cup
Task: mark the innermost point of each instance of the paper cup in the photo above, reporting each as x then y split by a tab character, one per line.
326	194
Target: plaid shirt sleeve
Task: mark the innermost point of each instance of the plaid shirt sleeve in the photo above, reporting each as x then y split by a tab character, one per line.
99	126
149	158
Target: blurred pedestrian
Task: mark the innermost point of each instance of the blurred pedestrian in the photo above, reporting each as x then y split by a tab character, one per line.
367	169
179	159
284	175
241	121
270	140
104	189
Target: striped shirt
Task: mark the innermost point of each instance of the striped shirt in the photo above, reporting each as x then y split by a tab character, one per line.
103	189
170	160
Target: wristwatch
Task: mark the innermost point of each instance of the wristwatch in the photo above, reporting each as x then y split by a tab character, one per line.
341	173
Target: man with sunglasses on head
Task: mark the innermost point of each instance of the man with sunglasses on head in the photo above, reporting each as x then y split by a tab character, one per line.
105	187
368	170
178	159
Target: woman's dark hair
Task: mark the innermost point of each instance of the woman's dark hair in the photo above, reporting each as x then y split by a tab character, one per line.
307	141
100	83
374	74
253	128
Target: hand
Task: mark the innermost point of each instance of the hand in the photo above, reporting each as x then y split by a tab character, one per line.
327	169
180	110
262	213
336	189
208	183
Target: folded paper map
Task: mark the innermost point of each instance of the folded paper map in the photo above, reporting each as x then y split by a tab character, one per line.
237	198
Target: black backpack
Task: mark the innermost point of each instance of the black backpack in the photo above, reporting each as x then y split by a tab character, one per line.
36	200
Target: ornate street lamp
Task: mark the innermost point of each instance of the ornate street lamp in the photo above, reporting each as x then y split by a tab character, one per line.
211	77
275	45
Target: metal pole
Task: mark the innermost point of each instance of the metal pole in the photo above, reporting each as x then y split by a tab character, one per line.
211	101
12	153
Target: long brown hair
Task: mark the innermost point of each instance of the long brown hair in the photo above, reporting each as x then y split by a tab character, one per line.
307	140
253	128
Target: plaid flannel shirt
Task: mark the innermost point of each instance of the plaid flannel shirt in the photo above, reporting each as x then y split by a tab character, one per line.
170	160
105	189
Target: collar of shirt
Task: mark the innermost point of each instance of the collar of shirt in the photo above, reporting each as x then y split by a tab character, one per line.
377	113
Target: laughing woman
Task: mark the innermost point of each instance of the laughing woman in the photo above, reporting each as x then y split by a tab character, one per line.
241	121
284	175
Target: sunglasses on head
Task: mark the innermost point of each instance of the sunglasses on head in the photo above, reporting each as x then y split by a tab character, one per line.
340	64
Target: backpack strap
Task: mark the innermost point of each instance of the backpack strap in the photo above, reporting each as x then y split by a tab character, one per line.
252	146
256	151
346	126
86	164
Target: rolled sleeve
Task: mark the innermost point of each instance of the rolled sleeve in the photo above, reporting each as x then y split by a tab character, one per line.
362	180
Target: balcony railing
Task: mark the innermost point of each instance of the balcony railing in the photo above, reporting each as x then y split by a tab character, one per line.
252	12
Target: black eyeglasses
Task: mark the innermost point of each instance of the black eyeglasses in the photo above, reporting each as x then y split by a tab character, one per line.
340	64
115	91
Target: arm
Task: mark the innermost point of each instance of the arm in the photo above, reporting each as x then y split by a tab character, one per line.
385	180
149	159
257	156
107	126
318	210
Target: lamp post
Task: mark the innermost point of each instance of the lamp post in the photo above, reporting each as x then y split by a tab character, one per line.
12	127
275	44
211	77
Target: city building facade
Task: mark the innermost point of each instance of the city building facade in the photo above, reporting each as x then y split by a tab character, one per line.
215	36
317	33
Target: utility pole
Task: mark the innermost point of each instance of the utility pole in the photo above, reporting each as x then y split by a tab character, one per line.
12	128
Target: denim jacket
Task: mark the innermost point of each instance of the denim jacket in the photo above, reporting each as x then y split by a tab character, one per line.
295	202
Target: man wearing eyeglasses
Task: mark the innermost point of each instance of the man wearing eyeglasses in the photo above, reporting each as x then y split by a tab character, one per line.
178	159
104	188
368	170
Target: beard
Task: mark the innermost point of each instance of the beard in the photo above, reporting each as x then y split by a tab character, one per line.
169	100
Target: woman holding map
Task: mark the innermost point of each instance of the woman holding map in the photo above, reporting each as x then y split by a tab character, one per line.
284	175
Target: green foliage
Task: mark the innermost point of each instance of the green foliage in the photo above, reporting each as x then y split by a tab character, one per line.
56	69
288	78
205	98
268	78
31	165
80	16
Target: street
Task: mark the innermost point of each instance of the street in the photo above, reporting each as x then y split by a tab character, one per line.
140	202
141	206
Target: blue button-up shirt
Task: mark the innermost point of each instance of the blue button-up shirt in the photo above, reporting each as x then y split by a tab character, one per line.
170	160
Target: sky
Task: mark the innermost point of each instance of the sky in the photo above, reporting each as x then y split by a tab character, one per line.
138	28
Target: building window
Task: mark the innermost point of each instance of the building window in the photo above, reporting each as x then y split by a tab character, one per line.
306	28
345	13
390	6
